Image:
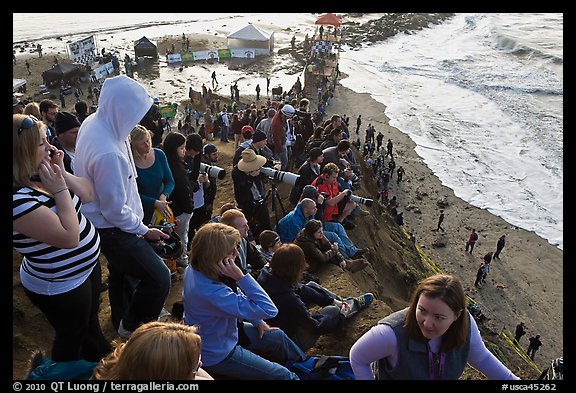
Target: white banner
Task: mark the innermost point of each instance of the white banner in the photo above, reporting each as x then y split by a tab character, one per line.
85	47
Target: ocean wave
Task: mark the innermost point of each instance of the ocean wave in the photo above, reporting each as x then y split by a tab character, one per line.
512	46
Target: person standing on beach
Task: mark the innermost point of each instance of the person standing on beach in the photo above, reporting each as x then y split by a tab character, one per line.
214	81
400	172
471	240
379	139
499	246
358	124
267	85
440	221
520	331
389	147
258	92
28	67
535	343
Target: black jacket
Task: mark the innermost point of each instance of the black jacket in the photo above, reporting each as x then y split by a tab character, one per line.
291	303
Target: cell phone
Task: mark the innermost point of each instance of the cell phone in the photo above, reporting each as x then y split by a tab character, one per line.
35	177
51	153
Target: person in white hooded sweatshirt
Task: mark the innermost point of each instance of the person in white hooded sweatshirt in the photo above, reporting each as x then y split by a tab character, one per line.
104	157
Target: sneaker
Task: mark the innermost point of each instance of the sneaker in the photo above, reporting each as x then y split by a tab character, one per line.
355	265
360	252
124	333
365	300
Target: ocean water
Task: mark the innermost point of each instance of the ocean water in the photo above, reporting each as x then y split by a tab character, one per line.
480	94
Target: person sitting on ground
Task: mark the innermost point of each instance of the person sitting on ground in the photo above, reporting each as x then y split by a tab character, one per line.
282	281
155	351
319	251
326	183
249	258
219	298
293	222
269	243
435	325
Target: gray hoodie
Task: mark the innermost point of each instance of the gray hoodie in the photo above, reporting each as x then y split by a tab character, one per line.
104	157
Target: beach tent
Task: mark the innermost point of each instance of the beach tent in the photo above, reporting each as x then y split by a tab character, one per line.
59	72
328	19
144	47
251	37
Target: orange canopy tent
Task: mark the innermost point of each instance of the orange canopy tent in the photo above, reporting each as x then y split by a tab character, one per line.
328	19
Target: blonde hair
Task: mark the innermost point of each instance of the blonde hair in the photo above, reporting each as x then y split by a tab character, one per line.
211	243
24	150
33	109
139	134
155	351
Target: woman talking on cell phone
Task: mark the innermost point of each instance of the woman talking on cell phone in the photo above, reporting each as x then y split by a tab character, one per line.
60	271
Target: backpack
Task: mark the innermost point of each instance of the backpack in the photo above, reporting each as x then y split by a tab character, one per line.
323	368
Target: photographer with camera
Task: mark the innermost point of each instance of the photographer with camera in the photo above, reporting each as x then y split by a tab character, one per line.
209	157
248	197
338	204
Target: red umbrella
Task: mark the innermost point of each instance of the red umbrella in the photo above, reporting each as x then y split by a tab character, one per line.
328	19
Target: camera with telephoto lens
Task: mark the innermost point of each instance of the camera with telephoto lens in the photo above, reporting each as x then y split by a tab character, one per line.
213	170
364	201
285	177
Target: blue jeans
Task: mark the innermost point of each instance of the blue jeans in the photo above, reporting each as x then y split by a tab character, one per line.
223	134
335	232
283	158
249	363
131	256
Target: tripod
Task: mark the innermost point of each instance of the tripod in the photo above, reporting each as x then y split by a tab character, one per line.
273	191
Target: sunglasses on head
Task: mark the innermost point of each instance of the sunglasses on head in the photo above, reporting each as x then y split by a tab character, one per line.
27	123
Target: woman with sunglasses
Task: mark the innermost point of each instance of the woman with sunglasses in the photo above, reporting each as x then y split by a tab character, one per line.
60	271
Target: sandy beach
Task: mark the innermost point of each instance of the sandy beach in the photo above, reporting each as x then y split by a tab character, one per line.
525	284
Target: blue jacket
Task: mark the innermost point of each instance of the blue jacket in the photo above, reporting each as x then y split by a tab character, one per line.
289	226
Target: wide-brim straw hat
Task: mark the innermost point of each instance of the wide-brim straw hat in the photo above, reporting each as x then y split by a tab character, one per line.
251	161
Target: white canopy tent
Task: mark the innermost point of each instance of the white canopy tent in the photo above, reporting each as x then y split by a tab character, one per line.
251	37
17	84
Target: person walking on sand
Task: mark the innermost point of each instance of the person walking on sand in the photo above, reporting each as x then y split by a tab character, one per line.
214	81
535	343
358	124
440	221
389	147
400	172
28	67
499	246
471	241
